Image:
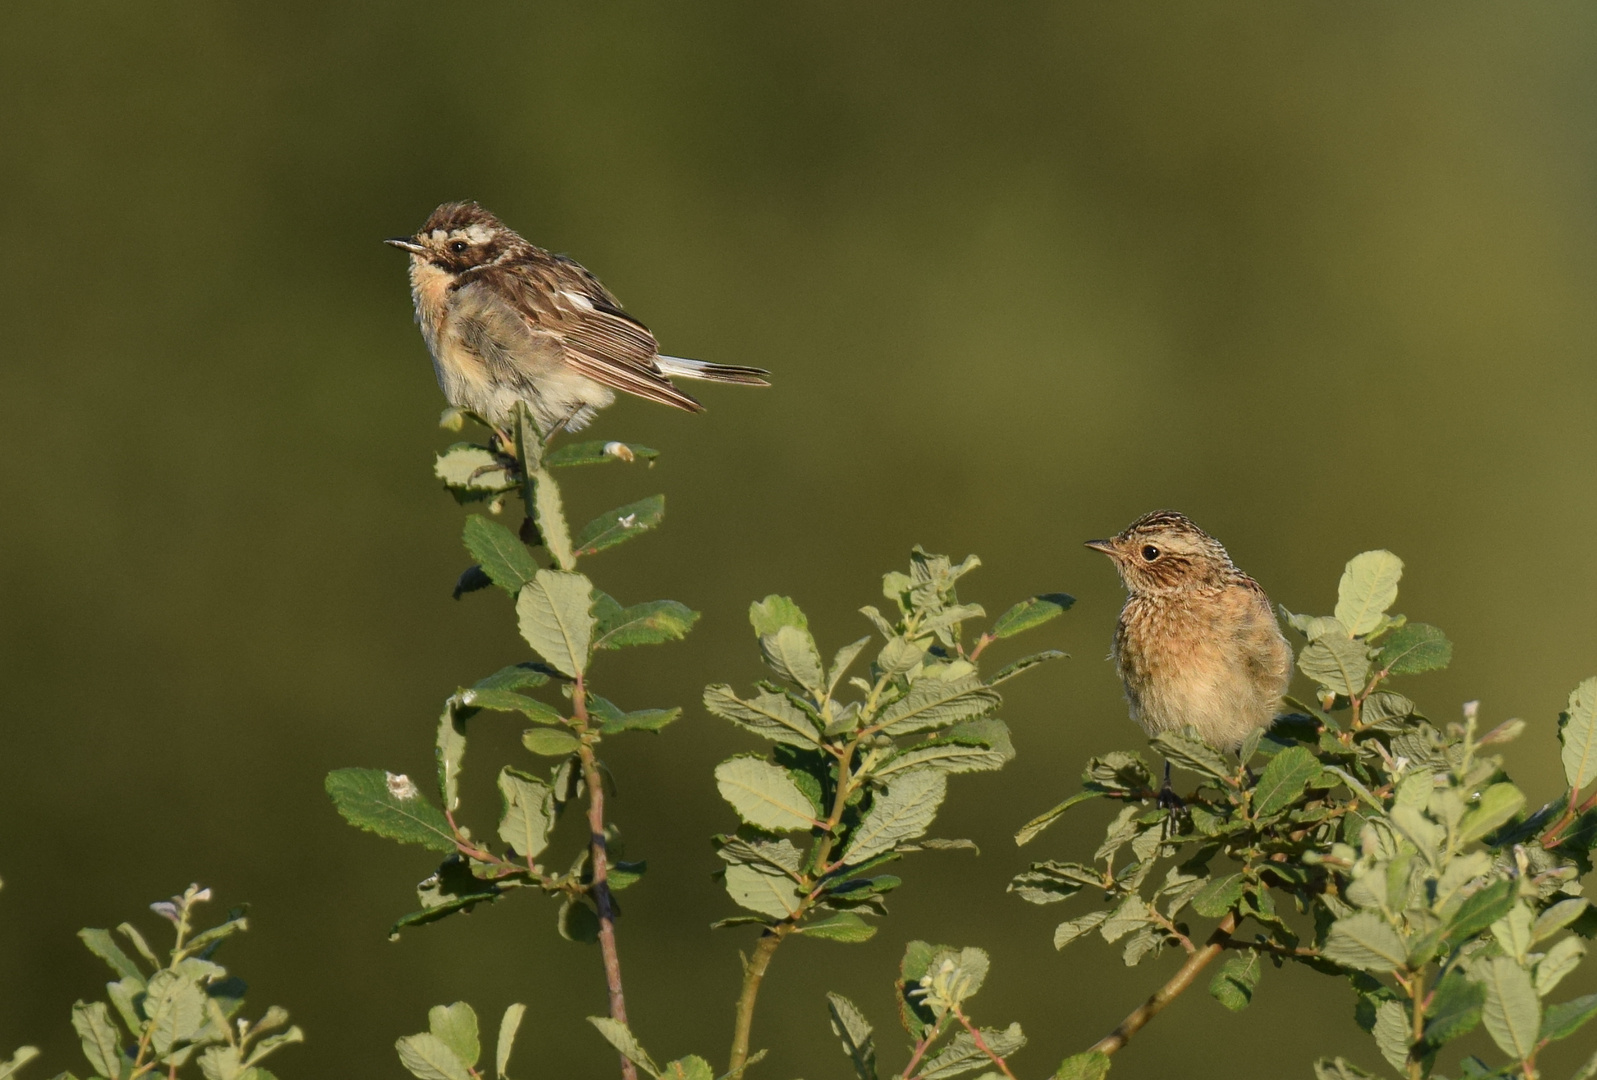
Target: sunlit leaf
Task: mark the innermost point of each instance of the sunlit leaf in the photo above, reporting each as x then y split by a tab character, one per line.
1368	587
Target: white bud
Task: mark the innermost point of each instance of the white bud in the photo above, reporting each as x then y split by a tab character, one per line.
401	786
619	450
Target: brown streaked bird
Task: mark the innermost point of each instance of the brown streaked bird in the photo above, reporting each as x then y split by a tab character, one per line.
508	322
1197	642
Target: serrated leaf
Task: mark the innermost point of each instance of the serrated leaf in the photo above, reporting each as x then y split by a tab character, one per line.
1558	916
1415	648
508	1026
1070	930
1233	985
1479	911
619	1036
576	921
770	716
469	467
774	612
101	1044
1365	941
430	1058
1577	731
855	1033
1187	749
1219	896
1340	664
791	653
691	1067
649	623
1092	1065
456	1026
842	660
549	515
934	703
1497	805
1513	1012
499	552
904	811
378	802
1028	832
101	944
620	525
510	701
1559	961
1368	587
1339	1069
760	888
598	452
652	720
556	620
529	814
962	1055
550	742
1128	916
1391	1031
1564	1019
449	748
1030	613
1025	663
1284	779
974	746
845	926
1454	1010
764	795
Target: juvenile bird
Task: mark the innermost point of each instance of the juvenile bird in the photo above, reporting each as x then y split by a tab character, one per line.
508	322
1197	642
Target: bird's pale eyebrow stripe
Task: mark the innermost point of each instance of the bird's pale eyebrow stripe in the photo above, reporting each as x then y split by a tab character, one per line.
479	234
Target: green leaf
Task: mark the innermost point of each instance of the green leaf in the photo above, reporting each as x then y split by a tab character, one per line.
430	1058
1025	663
449	747
855	1033
1028	832
1497	805
639	720
912	1010
1187	749
1368	587
1558	916
1284	779
467	467
619	1036
764	795
390	806
903	812
1513	1012
1093	1065
948	757
1479	911
691	1067
791	653
842	660
620	525
760	888
529	814
26	1054
1415	648
526	676
1455	1008
845	926
456	1026
1365	941
176	1007
500	553
510	701
962	1055
101	1044
1219	896
576	921
1070	930
1232	986
1559	961
1564	1019
598	452
934	703
101	944
550	742
551	519
770	716
1577	730
556	620
1339	1069
1337	663
1391	1031
649	623
508	1026
774	612
1030	613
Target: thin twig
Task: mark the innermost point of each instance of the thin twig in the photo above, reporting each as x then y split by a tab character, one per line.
981	1043
1169	991
928	1036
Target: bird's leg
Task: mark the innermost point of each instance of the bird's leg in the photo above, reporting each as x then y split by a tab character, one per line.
558	428
1168	799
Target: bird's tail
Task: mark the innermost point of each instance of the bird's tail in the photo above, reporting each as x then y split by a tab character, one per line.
725	373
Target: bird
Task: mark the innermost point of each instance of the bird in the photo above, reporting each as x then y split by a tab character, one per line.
509	324
1197	642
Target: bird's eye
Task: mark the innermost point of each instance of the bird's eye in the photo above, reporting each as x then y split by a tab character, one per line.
1150	553
459	247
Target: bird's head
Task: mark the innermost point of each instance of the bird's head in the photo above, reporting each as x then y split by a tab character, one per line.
460	236
1164	552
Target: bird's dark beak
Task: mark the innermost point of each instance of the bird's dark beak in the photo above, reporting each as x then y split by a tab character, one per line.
1105	546
405	243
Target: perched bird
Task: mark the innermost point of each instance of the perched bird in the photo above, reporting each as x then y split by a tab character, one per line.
508	322
1197	642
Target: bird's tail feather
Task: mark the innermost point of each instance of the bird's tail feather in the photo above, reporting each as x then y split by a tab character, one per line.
723	373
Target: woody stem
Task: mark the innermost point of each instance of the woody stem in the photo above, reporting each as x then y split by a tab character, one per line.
1167	993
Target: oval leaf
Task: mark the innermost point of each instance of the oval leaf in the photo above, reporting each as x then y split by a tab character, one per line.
764	795
1368	587
1030	613
904	811
554	610
390	806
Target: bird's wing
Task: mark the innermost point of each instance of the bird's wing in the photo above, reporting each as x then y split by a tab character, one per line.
556	297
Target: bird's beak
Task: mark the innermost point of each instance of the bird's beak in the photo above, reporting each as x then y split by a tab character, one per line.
1105	546
406	243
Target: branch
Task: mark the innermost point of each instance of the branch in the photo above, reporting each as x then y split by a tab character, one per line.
1169	991
981	1043
601	869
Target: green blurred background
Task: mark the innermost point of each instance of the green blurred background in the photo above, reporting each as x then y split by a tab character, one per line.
1319	275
